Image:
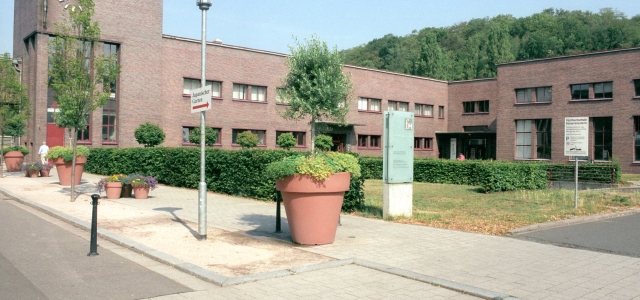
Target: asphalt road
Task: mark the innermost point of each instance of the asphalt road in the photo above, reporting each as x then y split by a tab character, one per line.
39	260
616	235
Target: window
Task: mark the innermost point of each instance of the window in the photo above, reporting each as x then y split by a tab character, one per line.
186	131
603	139
542	94
399	106
603	90
249	92
482	128
421	143
367	104
110	108
260	133
192	84
299	136
476	107
525	142
368	141
424	110
636	123
441	112
636	83
579	91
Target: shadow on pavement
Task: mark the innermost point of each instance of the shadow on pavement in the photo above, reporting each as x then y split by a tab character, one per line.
172	211
266	226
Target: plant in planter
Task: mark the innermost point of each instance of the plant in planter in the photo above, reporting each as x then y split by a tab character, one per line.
112	185
31	169
63	157
141	186
126	185
45	168
312	190
14	157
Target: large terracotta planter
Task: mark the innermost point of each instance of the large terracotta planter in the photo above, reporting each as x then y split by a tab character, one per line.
64	170
313	207
13	160
113	190
141	192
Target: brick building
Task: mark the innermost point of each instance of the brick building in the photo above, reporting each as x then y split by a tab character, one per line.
519	115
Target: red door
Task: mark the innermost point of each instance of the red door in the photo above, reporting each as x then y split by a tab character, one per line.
55	134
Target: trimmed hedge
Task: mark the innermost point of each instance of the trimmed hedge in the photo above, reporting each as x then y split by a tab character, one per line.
232	172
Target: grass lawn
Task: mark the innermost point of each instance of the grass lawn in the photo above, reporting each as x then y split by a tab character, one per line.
462	207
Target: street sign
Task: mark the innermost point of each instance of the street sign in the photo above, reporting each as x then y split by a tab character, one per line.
576	136
398	147
201	99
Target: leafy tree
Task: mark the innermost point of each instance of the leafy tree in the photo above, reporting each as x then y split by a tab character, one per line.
323	142
315	86
433	62
287	140
247	139
78	76
210	136
14	103
499	46
149	134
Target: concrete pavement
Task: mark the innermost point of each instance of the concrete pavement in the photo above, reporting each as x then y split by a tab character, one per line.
369	259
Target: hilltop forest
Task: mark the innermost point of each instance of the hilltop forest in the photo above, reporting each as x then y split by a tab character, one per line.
472	49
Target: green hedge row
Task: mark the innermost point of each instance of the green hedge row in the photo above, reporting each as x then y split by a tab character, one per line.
231	172
491	176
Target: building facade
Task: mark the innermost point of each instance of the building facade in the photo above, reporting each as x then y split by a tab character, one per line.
519	115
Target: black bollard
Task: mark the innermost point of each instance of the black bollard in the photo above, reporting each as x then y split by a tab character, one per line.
93	248
278	200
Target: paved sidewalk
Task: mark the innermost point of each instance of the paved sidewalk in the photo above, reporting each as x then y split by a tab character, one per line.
370	258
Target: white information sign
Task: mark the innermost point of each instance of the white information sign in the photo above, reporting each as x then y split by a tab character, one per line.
576	136
201	99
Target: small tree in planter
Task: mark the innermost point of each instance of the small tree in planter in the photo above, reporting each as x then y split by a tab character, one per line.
149	134
287	141
14	103
69	162
14	157
210	136
247	140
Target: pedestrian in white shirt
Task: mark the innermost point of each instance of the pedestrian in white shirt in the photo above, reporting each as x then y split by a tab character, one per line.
44	149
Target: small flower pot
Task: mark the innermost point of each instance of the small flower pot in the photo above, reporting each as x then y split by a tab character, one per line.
141	192
126	191
33	173
45	172
113	190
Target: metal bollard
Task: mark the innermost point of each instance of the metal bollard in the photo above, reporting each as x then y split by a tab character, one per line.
278	200
93	248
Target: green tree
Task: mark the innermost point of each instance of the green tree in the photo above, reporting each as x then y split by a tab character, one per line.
247	139
210	136
78	76
499	48
150	135
323	142
287	140
14	103
434	61
315	87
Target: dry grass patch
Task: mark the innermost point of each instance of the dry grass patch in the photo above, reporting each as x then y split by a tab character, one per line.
464	208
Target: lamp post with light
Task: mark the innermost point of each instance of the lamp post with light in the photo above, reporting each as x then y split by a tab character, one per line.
202	186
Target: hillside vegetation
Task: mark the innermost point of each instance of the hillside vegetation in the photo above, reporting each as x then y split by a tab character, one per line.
472	49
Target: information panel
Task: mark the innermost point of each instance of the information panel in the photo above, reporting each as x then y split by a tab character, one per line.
398	147
576	136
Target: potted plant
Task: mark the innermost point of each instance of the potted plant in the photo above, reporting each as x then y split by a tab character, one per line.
112	186
312	190
14	157
141	186
126	185
31	169
45	168
62	157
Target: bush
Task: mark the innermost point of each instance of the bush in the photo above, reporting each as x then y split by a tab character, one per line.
323	142
66	153
210	136
22	149
149	134
247	140
287	141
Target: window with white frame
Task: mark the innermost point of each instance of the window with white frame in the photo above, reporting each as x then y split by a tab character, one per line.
534	95
525	141
603	138
398	105
187	130
603	90
475	107
260	133
249	92
368	104
424	110
441	112
191	84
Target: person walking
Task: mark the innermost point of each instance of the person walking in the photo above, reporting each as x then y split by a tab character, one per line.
44	149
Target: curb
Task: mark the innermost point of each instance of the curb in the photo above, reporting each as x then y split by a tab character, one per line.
224	281
593	218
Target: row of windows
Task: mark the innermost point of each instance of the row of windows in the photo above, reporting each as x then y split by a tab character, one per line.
374	105
299	136
583	91
240	91
476	107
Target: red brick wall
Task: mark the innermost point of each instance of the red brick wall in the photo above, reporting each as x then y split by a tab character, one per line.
472	90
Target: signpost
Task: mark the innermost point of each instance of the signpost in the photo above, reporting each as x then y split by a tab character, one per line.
201	99
397	167
576	143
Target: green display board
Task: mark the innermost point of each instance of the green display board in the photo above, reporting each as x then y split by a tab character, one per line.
398	147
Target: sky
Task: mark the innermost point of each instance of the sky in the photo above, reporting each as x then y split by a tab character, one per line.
272	24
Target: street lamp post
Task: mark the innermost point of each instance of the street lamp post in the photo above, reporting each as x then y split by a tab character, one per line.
202	186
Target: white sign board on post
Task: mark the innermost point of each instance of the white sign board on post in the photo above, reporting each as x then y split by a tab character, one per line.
576	136
201	99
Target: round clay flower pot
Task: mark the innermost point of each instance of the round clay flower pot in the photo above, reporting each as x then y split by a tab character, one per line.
45	172
64	170
313	207
141	192
113	190
126	191
34	173
13	160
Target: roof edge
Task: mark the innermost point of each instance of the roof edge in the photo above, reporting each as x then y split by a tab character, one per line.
598	52
219	44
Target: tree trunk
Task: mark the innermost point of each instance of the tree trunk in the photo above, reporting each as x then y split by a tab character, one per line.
313	133
74	143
